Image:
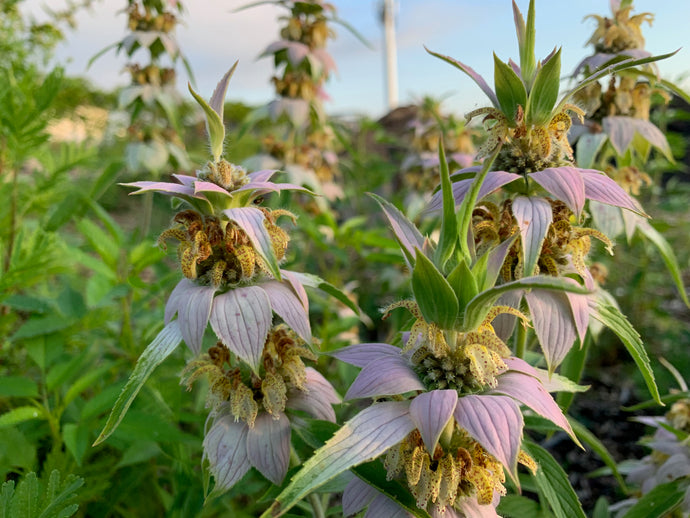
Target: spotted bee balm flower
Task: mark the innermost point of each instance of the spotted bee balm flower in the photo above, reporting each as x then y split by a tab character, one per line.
229	249
446	414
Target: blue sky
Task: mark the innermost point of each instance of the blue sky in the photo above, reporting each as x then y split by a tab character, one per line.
214	36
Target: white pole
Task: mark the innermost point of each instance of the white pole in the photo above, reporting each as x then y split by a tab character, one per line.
391	54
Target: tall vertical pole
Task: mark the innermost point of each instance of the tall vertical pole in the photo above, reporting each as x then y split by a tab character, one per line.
391	54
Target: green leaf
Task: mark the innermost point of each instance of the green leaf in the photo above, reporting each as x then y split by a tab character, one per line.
544	92
157	351
60	497
464	284
572	368
599	448
449	222
510	89
76	438
20	415
553	484
612	318
517	506
86	381
660	501
101	241
667	255
435	297
17	386
479	307
314	281
651	403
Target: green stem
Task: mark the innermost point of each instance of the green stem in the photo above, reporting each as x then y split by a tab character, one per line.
520	341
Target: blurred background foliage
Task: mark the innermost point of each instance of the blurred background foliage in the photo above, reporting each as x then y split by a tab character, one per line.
83	284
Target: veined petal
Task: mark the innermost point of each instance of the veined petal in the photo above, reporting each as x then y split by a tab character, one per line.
185	179
431	412
529	391
496	423
251	220
621	131
178	294
297	287
326	59
200	186
263	175
288	307
364	437
192	313
360	355
384	506
241	318
533	215
600	187
162	187
268	446
553	324
493	180
318	399
266	187
471	509
565	184
551	383
357	495
225	447
580	308
386	376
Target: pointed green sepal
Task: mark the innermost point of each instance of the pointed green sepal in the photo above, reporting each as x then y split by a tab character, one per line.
509	88
526	38
436	299
449	222
544	93
214	113
464	284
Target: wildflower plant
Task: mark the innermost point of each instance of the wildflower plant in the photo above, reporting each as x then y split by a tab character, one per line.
446	411
229	250
618	136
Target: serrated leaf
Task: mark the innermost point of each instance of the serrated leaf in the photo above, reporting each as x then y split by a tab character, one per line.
162	346
612	318
435	297
544	92
553	483
510	90
660	501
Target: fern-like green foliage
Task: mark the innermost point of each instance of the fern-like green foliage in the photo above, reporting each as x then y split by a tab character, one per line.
34	498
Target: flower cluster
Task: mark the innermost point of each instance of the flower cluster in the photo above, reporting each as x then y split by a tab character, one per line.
230	250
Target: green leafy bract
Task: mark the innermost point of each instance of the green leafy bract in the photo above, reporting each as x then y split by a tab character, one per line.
435	297
544	93
510	90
